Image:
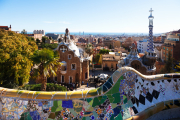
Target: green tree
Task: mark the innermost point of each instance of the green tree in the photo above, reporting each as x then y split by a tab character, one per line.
44	38
110	46
169	64
23	31
89	49
177	66
15	62
48	63
96	59
50	37
30	38
50	46
37	41
104	51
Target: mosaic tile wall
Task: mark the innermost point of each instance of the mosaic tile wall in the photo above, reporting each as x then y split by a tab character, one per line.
128	96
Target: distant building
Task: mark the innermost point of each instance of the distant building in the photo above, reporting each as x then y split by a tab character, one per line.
6	28
128	42
112	43
157	49
90	39
35	36
171	45
82	40
54	36
72	37
39	32
110	61
142	45
48	41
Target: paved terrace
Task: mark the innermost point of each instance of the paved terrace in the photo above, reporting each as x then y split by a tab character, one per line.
127	94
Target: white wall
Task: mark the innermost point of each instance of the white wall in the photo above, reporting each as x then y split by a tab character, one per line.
142	46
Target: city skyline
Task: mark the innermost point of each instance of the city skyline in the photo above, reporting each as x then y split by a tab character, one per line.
90	16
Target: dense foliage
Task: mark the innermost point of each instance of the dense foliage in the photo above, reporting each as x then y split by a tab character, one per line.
50	87
104	51
89	49
15	63
96	58
177	66
48	63
50	46
169	65
44	38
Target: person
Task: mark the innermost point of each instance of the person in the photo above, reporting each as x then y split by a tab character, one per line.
73	85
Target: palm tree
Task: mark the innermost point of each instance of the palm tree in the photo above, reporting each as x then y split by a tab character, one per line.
48	63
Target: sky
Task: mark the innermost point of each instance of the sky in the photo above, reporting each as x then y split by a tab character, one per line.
116	16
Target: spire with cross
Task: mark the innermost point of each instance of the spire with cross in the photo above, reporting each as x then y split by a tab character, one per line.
151	11
150	41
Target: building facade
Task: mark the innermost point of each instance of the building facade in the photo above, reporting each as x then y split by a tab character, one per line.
142	45
75	66
110	61
171	45
35	36
39	32
6	28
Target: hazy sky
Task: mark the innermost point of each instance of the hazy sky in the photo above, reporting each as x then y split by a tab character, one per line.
90	15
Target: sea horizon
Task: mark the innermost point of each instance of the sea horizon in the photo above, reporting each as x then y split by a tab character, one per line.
99	33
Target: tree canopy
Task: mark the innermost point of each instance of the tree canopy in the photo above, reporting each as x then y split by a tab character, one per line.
50	46
15	63
168	68
23	31
48	62
89	49
169	64
44	38
104	51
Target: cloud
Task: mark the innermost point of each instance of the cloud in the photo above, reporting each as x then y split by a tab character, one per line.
64	22
48	22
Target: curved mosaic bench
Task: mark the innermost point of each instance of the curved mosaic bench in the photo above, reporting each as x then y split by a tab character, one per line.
127	94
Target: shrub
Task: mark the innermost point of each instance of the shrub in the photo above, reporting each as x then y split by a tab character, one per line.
50	87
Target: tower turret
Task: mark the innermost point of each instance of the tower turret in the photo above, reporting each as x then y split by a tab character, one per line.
150	49
67	36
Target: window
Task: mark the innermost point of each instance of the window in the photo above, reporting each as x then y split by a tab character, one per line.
62	79
73	66
171	49
167	49
164	48
69	56
70	79
63	49
86	75
63	67
111	65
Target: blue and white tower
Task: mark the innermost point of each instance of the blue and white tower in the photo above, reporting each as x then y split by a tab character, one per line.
150	49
